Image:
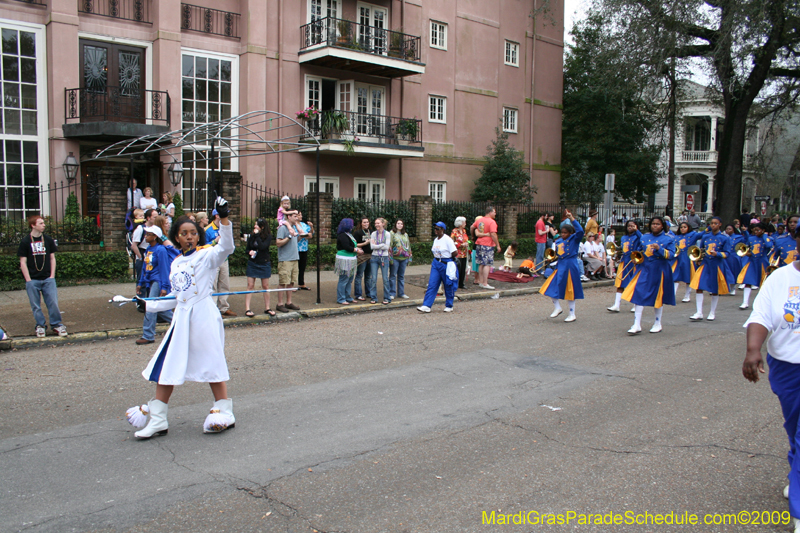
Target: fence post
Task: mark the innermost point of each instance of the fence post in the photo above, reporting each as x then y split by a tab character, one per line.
232	191
422	207
508	215
325	216
113	182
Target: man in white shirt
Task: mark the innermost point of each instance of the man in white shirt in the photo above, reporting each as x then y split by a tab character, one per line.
137	194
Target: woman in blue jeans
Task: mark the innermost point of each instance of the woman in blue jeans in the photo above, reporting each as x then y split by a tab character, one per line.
380	242
401	257
346	252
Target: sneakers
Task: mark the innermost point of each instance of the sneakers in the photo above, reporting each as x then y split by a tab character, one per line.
656	327
61	330
613	309
486	287
405	297
584	278
556	312
711	316
686	299
696	317
424	309
635	330
40	331
570	318
448	309
744	306
391	298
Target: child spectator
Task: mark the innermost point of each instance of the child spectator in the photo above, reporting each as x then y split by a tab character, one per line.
525	270
286	205
509	254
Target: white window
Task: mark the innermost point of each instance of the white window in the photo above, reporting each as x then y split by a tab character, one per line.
510	120
512	54
24	158
438	35
373	22
437	109
437	190
326	183
369	190
210	94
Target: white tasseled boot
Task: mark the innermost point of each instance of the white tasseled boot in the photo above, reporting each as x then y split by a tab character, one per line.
157	425
220	418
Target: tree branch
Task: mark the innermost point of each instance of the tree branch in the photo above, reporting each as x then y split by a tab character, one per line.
699	50
785	72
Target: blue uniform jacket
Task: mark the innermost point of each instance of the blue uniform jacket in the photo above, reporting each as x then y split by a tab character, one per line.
652	285
157	263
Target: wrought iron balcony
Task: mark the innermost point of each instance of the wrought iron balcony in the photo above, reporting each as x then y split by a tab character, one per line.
115	113
207	20
347	45
377	135
135	10
33	2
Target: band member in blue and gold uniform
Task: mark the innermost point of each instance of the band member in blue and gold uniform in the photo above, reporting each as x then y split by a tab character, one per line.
713	275
626	269
565	282
682	268
756	262
784	251
733	260
652	285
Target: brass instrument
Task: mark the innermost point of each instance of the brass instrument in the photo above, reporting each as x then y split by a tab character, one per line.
742	249
696	253
637	258
774	264
549	257
614	250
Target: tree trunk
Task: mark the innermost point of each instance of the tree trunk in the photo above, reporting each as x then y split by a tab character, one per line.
729	163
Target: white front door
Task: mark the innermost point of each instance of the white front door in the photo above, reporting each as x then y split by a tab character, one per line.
373	23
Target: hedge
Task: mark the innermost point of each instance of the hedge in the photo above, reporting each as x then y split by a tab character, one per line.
71	267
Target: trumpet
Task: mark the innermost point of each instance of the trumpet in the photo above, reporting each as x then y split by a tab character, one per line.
549	257
696	253
637	258
742	249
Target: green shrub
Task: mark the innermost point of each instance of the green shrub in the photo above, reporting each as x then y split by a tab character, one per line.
391	210
72	212
176	199
70	267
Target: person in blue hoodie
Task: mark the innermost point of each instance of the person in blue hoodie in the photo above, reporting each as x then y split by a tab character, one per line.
756	262
154	280
652	284
565	282
713	275
682	267
626	270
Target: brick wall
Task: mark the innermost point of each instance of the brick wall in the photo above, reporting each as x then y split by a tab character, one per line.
113	182
326	211
508	214
423	213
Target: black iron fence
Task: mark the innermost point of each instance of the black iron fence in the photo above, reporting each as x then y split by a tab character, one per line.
391	210
351	126
331	31
261	202
135	10
208	20
71	211
116	104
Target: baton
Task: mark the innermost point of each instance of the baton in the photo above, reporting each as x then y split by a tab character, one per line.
124	299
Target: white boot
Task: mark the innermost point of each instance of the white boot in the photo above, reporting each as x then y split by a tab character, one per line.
614	308
220	418
157	425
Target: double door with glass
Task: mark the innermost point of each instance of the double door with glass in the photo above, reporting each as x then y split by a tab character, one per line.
112	82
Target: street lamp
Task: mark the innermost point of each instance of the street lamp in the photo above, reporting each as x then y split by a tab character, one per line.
71	167
175	173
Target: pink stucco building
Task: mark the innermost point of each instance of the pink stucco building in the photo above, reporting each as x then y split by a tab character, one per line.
420	85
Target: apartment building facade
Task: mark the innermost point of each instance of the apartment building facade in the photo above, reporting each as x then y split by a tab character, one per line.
417	88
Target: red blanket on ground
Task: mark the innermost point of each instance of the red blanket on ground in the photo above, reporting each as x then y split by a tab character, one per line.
508	277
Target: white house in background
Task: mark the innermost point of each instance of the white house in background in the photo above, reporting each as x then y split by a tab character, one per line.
699	127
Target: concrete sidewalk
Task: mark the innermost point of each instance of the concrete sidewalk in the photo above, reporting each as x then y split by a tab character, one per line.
88	315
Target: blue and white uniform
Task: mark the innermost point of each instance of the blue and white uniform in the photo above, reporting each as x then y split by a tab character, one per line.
652	284
565	282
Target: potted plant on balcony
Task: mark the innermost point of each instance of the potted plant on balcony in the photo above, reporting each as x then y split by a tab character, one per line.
407	130
396	45
345	33
333	124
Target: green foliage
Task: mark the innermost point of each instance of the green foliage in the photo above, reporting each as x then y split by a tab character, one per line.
391	210
407	128
606	123
75	231
503	176
333	122
176	199
72	211
71	267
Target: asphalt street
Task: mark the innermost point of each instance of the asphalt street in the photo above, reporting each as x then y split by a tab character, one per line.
403	422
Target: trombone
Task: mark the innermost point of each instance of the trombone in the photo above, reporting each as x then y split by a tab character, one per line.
549	257
742	249
637	258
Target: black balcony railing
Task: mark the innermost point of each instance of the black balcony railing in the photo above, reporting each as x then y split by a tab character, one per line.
364	127
135	10
117	105
33	2
207	20
329	31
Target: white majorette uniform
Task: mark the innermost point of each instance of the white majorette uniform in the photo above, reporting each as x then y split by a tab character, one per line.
193	347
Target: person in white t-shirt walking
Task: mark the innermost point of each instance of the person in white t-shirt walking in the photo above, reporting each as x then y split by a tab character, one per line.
443	270
776	313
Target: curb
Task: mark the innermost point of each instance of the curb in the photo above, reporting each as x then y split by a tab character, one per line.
304	314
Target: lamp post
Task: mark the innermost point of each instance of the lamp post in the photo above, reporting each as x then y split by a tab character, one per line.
71	167
175	173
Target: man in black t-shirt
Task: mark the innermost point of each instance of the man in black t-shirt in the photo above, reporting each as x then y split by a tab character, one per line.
37	261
